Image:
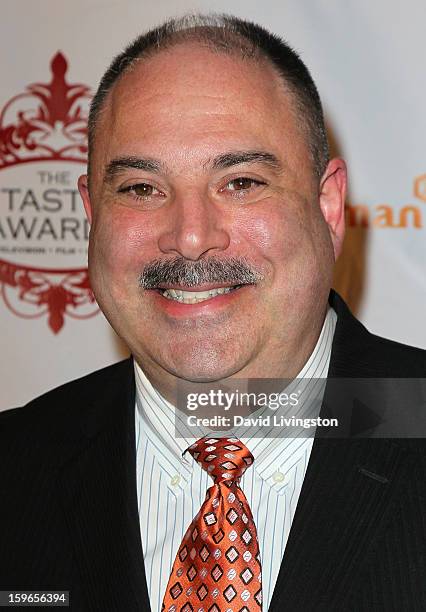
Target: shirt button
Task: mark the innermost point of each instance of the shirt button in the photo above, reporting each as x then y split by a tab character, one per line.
175	480
278	477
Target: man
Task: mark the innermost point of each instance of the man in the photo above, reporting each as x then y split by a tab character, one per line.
216	217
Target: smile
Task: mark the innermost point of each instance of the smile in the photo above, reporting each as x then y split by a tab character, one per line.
194	297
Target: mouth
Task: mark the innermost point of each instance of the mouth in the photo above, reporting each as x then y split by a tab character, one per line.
195	297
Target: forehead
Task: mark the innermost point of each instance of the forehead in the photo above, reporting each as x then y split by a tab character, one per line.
189	97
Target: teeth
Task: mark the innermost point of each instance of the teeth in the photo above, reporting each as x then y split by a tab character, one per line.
193	297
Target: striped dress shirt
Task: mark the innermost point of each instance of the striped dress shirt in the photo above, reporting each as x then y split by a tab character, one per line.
171	486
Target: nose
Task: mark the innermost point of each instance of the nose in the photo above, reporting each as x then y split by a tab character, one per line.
195	228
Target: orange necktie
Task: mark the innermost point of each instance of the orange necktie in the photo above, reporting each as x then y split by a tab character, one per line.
217	567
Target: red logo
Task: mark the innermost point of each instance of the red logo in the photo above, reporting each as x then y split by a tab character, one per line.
45	129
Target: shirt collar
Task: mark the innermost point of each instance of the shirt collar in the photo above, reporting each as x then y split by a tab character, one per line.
160	416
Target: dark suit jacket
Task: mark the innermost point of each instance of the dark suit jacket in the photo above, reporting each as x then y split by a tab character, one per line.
69	517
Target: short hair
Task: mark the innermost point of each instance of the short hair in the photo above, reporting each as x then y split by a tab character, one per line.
228	34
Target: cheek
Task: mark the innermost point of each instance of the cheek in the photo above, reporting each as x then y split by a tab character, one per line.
274	236
120	244
291	241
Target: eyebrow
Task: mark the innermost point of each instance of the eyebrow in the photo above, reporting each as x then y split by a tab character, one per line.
235	158
120	164
226	160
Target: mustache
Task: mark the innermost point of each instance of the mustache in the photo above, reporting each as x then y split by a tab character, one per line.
180	271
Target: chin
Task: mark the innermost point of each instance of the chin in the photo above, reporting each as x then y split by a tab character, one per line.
207	374
205	369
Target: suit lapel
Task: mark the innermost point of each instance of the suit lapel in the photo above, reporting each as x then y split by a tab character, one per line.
99	498
348	491
347	497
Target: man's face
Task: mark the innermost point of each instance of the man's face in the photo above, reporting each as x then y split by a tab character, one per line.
199	165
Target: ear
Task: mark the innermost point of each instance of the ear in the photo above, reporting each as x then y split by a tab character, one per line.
332	201
84	193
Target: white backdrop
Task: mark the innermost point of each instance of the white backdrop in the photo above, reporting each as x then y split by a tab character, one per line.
368	60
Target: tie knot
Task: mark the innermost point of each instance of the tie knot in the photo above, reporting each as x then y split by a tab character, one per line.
225	459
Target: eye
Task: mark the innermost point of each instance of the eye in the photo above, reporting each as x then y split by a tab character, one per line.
242	183
141	191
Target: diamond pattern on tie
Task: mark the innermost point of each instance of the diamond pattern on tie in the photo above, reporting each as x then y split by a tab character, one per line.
217	566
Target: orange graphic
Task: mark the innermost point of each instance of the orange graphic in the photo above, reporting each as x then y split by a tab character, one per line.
420	187
383	216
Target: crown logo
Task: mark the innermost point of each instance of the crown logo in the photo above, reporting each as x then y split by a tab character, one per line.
48	121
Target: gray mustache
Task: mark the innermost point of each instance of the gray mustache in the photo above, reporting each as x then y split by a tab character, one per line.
180	271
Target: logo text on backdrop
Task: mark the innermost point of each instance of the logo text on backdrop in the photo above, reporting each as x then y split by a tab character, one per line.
43	229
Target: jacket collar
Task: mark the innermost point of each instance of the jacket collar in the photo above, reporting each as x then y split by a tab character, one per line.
98	487
349	487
